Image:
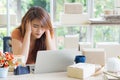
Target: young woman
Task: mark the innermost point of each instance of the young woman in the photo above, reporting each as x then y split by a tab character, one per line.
35	33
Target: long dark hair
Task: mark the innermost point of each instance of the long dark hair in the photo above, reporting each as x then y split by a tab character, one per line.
43	16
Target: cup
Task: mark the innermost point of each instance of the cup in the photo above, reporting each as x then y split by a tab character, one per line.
80	59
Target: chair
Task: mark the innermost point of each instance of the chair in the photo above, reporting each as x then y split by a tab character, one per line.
7	44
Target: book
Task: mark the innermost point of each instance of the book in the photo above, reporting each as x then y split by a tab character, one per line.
111	76
102	21
108	77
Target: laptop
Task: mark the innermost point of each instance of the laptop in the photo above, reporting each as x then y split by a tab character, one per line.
54	60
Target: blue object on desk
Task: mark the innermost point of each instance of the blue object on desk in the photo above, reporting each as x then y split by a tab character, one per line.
21	70
80	59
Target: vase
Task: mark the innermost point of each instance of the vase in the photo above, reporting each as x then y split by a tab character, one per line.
3	72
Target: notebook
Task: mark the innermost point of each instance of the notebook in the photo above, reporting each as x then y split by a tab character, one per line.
54	60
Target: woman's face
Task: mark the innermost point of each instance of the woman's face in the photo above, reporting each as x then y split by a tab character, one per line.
37	30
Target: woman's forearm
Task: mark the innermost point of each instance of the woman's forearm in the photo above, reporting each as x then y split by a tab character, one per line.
25	46
26	41
50	42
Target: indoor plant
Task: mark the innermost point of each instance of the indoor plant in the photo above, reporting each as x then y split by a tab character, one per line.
6	60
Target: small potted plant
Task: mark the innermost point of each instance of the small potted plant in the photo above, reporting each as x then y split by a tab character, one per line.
6	60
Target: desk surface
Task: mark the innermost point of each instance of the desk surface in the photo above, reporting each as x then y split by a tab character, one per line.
47	76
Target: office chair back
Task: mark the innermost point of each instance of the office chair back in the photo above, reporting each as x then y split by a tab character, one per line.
7	44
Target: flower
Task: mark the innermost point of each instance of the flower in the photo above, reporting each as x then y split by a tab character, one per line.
7	59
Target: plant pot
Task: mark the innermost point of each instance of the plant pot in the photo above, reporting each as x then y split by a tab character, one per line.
3	72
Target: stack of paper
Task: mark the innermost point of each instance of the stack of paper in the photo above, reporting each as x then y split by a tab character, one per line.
77	19
108	77
111	76
103	21
73	14
81	70
73	8
95	55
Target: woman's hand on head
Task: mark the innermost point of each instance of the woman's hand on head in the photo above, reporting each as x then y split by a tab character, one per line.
47	32
50	41
28	27
48	36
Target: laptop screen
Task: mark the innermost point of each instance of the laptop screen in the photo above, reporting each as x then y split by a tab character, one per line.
54	60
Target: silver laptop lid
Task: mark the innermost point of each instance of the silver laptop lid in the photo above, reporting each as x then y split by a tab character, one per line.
54	60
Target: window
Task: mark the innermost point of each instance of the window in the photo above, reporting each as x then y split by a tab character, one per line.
101	5
3	18
100	33
105	33
64	30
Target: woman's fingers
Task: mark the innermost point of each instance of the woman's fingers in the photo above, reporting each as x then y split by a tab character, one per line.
28	26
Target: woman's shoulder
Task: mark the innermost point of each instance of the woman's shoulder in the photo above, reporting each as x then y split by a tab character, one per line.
16	30
16	34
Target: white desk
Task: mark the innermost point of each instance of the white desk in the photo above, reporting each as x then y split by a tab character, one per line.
47	76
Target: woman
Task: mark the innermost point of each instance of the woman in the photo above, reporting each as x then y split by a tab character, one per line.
35	33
